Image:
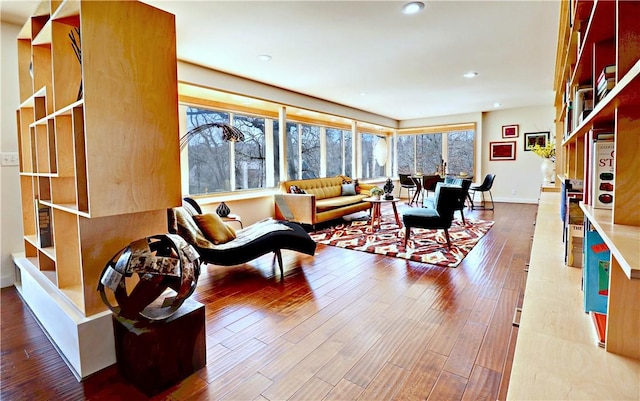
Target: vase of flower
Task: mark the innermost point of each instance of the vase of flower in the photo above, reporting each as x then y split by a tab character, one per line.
547	167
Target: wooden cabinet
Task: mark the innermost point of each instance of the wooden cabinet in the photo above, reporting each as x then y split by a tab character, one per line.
98	137
593	35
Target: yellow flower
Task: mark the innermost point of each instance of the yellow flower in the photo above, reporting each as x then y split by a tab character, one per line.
548	151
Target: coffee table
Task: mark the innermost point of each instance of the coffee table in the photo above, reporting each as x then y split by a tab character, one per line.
375	210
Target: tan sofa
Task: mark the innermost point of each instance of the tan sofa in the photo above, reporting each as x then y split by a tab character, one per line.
323	200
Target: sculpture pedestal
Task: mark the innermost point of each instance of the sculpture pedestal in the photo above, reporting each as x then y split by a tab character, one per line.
156	355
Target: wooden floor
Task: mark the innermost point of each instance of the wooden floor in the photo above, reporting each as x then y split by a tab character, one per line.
343	325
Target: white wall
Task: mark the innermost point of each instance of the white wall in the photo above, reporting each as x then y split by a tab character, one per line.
519	180
10	211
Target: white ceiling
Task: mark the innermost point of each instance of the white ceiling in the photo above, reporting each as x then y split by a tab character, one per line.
370	56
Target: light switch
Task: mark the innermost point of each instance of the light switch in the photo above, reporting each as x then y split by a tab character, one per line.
9	158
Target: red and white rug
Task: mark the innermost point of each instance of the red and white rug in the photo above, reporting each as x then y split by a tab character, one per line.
426	246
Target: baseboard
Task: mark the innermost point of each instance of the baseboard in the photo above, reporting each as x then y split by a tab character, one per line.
86	344
7	280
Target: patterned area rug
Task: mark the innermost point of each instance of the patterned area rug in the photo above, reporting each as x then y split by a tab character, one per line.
426	246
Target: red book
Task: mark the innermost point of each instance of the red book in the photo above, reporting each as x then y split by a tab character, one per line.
600	324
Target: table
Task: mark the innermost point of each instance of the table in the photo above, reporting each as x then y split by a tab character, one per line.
420	180
375	210
233	218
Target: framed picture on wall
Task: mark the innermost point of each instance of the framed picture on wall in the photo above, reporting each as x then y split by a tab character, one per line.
505	150
535	138
510	131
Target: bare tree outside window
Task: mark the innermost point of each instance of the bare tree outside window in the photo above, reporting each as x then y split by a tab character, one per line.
370	167
208	153
334	152
292	150
428	152
406	154
310	140
250	154
460	152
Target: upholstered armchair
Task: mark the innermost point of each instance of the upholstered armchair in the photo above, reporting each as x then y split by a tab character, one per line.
446	200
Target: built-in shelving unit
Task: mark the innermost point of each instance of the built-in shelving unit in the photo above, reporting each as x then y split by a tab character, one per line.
594	35
99	152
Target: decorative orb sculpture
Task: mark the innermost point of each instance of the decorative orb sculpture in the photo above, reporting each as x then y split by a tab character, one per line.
150	278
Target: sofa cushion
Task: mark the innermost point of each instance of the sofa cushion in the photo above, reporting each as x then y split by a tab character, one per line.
323	205
348	189
214	229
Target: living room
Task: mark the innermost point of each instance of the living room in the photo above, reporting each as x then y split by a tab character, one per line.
518	172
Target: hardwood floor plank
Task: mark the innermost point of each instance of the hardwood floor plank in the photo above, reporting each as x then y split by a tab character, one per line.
422	377
448	387
364	371
465	351
385	384
483	385
314	389
344	390
249	389
397	328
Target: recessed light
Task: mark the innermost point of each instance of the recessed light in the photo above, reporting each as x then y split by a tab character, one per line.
470	74
496	104
264	57
363	94
412	7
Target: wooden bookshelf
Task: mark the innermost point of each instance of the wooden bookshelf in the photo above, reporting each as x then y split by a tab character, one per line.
104	159
609	34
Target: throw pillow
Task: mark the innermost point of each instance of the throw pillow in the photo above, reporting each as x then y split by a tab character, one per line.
357	186
214	228
294	189
348	189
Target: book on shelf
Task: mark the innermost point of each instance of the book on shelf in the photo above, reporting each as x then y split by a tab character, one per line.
603	177
45	230
606	81
593	136
600	325
583	104
595	278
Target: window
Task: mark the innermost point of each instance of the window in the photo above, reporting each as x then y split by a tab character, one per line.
219	166
250	160
338	152
423	153
406	154
428	152
292	151
460	152
370	167
208	154
310	149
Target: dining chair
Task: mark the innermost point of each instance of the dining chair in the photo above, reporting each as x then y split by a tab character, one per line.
482	188
407	183
429	183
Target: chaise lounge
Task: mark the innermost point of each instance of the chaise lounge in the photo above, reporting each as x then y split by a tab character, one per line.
260	238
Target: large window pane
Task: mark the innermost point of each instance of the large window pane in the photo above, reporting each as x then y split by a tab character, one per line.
292	151
428	153
276	151
310	140
406	154
348	153
208	154
370	167
250	154
335	156
460	152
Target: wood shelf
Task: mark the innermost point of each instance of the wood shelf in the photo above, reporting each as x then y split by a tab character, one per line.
106	165
622	240
610	36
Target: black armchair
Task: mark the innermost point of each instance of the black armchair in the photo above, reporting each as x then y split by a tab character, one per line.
440	217
461	183
482	188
